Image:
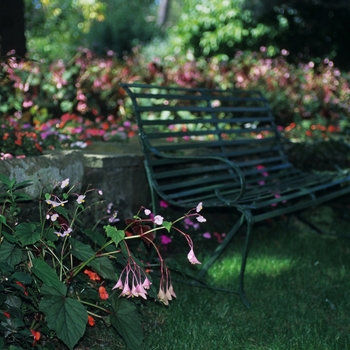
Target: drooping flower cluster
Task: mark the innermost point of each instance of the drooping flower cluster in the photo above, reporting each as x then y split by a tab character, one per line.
133	281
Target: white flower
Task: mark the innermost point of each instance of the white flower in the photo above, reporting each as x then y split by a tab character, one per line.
54	217
200	218
199	207
158	220
81	199
65	183
64	233
147	212
55	204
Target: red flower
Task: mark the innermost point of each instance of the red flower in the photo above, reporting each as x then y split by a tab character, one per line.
7	314
91	321
92	275
36	336
103	293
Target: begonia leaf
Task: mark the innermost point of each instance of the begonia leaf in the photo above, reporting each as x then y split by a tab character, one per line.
66	316
10	253
47	275
101	265
27	234
116	235
127	321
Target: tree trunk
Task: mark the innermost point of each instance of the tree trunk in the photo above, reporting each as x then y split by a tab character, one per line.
12	27
163	11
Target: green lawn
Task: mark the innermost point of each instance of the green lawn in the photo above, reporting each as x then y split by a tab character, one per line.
297	282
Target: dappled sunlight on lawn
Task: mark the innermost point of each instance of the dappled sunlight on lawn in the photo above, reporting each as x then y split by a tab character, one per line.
225	270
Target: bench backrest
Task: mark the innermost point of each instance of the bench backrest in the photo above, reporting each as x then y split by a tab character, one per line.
233	124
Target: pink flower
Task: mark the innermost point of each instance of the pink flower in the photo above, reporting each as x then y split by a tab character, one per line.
139	291
207	235
192	258
165	239
199	207
147	212
146	283
126	290
119	284
163	204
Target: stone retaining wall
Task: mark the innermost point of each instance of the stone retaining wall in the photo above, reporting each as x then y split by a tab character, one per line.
121	177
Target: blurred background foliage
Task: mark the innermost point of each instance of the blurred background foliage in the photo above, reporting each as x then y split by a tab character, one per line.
303	29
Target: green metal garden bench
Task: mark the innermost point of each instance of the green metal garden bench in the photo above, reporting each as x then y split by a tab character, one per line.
223	148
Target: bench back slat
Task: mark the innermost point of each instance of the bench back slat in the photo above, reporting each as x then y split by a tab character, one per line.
232	124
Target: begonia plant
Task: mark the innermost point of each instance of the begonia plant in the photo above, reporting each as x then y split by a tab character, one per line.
59	275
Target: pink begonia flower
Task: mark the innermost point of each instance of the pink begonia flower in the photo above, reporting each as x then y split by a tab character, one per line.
165	239
126	290
81	199
207	235
55	203
199	207
147	212
139	291
65	183
146	283
158	220
200	218
100	192
119	284
192	258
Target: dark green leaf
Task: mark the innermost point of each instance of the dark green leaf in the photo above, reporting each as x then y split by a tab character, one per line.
5	180
27	234
10	238
22	277
2	219
96	237
10	253
101	265
47	275
23	196
127	321
66	316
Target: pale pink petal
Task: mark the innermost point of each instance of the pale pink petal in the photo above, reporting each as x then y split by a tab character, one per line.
200	218
146	283
192	258
119	284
